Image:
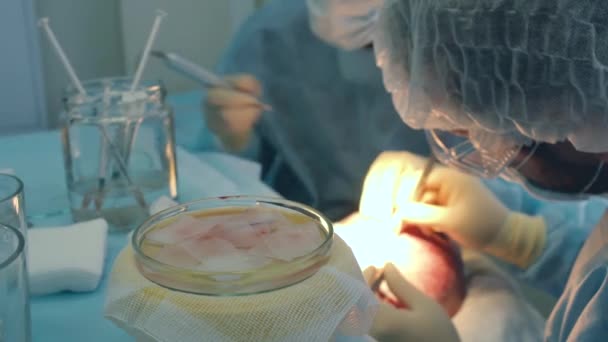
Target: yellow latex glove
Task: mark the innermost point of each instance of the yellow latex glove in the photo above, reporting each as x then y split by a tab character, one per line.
230	114
424	320
459	205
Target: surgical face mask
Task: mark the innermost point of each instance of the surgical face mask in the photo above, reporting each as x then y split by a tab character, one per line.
550	171
347	24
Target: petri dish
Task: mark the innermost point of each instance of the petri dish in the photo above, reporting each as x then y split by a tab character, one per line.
240	275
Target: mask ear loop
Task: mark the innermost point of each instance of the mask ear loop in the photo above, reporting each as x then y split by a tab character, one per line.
595	177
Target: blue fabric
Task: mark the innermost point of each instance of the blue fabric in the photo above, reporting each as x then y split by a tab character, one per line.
574	264
581	313
37	160
74	317
61	317
568	224
332	115
191	132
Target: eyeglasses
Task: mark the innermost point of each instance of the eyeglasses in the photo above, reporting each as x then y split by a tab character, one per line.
537	166
486	156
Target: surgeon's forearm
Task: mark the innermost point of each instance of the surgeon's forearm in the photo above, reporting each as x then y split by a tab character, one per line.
568	224
551	269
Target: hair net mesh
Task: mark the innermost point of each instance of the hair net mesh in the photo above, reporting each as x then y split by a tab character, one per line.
522	69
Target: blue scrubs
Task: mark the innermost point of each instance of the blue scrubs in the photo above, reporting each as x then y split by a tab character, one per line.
332	115
574	264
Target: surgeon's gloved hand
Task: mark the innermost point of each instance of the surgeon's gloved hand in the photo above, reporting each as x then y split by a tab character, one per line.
461	206
424	320
232	114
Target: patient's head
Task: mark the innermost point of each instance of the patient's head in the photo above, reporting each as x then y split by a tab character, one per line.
433	264
429	260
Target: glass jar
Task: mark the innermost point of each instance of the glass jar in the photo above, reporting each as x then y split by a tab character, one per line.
226	283
119	150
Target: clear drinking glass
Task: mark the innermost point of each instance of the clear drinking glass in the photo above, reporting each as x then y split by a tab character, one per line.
12	213
119	150
14	303
12	202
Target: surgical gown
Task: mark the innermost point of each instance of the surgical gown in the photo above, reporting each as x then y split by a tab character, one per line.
331	114
574	264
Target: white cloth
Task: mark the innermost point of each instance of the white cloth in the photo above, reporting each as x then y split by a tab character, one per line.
495	299
69	258
216	174
295	313
204	179
339	282
212	174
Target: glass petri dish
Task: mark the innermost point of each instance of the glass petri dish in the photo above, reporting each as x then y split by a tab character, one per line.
255	280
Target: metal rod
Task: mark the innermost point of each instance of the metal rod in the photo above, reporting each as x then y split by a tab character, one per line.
428	167
123	169
419	190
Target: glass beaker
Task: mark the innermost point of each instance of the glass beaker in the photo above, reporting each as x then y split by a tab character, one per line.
119	150
14	303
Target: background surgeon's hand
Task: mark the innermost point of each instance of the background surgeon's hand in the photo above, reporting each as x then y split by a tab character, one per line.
424	320
460	205
230	114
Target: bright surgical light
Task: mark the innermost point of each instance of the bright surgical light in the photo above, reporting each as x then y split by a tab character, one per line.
373	242
388	183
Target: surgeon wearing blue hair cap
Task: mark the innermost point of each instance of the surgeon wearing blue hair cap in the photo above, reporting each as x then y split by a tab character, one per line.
509	89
